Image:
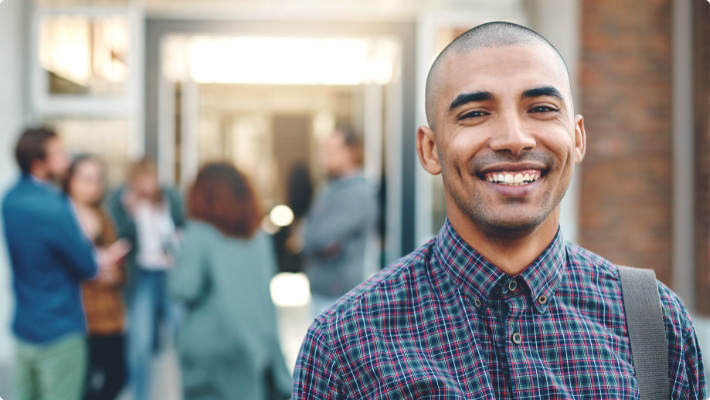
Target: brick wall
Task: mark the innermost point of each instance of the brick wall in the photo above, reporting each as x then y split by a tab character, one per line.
625	82
701	100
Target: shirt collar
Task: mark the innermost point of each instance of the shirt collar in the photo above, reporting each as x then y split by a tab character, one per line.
41	183
356	174
479	278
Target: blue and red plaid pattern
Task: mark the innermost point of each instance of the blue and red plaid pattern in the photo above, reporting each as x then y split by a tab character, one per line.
444	323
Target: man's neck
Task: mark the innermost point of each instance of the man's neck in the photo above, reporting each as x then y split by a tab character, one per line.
346	174
511	255
40	176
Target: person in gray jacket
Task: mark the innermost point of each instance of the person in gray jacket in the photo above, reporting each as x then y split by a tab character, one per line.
340	222
228	342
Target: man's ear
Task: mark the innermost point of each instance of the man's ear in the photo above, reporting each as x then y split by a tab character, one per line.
426	148
580	139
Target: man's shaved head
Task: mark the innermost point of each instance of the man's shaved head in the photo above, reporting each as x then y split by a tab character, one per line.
492	34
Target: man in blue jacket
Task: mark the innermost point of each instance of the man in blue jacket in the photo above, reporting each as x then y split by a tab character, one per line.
50	256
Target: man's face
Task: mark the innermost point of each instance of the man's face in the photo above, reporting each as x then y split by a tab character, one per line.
146	186
337	158
87	185
506	140
56	159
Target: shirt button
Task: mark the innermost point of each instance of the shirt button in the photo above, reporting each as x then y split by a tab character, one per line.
542	299
477	302
512	285
517	339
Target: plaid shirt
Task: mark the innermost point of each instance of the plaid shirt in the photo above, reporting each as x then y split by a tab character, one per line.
444	323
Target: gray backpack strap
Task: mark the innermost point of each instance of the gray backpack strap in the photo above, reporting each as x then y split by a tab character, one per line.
647	333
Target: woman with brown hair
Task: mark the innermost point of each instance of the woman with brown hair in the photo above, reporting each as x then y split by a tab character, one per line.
101	297
228	342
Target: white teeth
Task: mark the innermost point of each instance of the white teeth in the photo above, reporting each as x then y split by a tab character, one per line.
513	179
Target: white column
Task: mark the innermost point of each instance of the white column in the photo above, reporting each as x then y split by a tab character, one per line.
372	105
136	111
190	130
683	223
166	131
393	160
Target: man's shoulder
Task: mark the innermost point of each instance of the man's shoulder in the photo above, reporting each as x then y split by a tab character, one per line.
674	310
391	284
357	185
26	197
586	262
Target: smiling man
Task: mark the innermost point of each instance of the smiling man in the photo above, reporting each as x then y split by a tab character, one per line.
498	305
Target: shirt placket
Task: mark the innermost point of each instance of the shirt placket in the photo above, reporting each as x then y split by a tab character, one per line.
514	338
497	321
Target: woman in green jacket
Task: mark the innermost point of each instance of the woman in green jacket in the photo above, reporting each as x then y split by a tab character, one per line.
228	342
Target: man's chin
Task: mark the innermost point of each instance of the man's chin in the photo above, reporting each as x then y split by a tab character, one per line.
511	227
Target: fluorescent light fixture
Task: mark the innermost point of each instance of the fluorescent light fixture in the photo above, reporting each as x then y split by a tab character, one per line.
278	60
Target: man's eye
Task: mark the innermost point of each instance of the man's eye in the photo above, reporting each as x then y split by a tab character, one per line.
542	109
473	114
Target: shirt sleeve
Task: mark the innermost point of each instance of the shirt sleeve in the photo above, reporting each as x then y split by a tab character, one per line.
694	366
186	282
337	218
316	375
68	241
685	364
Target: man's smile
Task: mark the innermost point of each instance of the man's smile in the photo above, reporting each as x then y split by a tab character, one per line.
513	174
513	178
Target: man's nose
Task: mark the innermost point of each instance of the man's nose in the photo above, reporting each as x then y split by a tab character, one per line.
510	135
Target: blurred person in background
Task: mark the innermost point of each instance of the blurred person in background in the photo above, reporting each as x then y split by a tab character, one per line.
228	342
339	223
102	299
148	215
50	257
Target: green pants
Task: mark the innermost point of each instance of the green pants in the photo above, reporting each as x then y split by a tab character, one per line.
56	371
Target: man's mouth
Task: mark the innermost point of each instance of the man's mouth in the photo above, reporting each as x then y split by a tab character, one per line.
513	178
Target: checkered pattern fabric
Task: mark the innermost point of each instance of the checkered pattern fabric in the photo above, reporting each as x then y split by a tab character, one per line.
444	323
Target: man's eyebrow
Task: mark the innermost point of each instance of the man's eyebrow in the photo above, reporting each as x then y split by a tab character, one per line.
464	98
542	91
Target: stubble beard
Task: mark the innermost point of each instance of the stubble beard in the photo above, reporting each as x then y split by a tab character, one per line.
498	227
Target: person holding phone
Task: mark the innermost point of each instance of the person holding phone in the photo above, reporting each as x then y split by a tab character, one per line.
102	299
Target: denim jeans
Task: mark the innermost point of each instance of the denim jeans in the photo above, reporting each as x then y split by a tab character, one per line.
149	309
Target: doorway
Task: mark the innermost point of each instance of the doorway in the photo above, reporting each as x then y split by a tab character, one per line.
266	104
